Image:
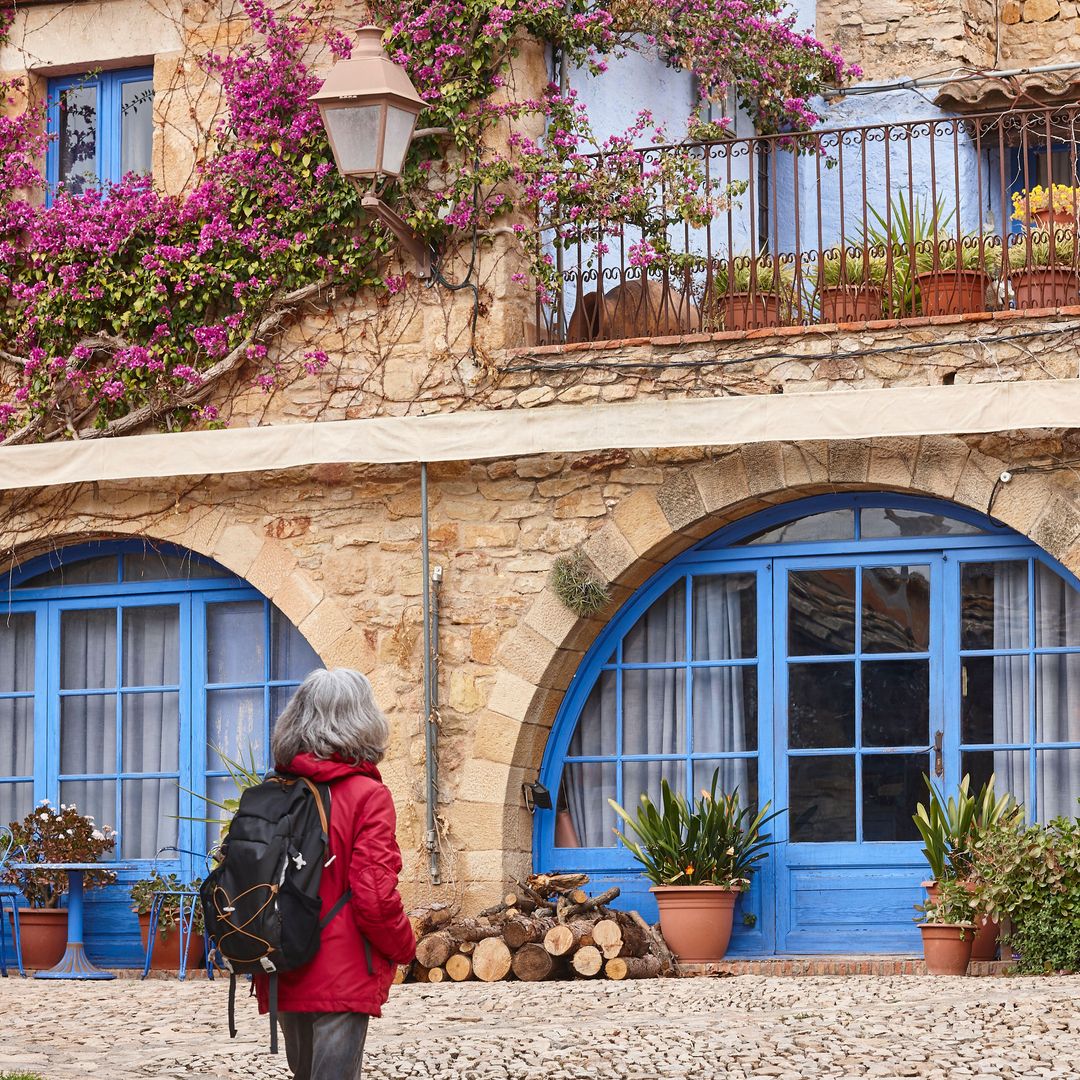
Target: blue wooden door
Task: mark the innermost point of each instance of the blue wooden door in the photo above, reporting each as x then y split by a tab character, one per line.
858	721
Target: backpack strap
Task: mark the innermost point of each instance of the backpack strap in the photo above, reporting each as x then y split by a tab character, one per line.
324	818
342	900
232	1004
273	1013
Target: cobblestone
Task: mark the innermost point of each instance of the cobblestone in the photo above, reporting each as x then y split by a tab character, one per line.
709	1029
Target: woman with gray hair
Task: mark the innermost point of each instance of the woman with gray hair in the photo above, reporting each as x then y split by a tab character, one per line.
333	732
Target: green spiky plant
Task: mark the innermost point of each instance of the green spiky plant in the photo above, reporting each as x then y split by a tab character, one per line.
850	267
244	774
714	841
1034	250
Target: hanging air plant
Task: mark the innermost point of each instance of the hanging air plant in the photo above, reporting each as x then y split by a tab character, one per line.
577	585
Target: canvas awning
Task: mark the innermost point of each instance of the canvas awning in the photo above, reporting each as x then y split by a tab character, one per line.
478	434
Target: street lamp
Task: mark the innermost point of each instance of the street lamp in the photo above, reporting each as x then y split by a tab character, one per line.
369	107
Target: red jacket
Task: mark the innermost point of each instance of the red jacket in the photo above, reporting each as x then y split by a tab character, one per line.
367	860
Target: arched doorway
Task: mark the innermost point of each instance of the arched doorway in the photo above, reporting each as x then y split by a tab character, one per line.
824	656
127	669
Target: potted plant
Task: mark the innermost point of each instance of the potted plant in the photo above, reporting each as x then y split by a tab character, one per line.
167	946
954	273
1041	208
1043	270
947	930
699	857
850	285
951	829
48	835
750	293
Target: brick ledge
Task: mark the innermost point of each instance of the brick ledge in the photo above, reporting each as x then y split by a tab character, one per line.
833	965
1008	315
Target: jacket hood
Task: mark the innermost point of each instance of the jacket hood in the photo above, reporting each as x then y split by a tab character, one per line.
323	770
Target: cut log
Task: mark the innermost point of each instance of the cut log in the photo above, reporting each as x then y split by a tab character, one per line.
401	973
426	920
548	885
632	967
466	947
577	896
491	960
562	938
471	930
533	963
608	937
436	975
635	941
459	967
590	905
658	946
435	949
588	961
519	930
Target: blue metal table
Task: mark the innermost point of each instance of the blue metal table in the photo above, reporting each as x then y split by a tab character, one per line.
74	964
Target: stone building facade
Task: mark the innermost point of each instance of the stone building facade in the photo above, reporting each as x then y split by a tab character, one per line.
336	546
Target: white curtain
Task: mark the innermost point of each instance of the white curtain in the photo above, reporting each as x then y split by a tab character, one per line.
16	714
1011	686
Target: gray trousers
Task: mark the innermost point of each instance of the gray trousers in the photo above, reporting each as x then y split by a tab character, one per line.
324	1046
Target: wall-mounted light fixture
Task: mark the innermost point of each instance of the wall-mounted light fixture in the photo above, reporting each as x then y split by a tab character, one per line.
369	108
536	796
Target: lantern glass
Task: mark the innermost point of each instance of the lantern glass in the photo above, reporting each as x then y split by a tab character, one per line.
399	129
354	135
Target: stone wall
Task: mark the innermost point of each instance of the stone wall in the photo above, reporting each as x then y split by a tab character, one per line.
1039	32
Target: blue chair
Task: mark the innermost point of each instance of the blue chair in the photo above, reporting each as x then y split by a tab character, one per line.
9	892
186	900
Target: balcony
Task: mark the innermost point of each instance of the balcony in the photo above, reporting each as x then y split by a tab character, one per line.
936	217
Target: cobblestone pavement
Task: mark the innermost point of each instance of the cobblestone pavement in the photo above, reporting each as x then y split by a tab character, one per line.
709	1029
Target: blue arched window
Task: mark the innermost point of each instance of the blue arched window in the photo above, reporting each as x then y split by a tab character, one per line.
124	668
824	656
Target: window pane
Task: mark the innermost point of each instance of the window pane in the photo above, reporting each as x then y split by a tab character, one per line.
235	726
1008	767
280	696
219	789
151	646
78	138
97	798
100	571
17	652
154	566
896	609
88	649
831	525
644	777
1057	610
660	634
88	734
892	786
151	733
994	702
821	612
994	605
583	817
821	705
236	641
150	809
16	801
1057	774
725	617
821	795
16	739
136	126
735	774
879	522
291	657
594	735
896	703
725	709
654	711
1057	697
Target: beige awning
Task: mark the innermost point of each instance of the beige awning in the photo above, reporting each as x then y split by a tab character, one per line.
478	434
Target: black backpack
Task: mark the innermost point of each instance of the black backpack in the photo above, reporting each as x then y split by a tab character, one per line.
261	902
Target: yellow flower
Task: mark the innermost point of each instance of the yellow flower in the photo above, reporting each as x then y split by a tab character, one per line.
689	869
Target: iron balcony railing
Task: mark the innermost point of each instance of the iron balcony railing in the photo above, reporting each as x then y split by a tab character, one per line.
931	217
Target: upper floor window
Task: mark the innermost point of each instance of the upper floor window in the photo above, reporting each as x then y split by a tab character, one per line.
102	126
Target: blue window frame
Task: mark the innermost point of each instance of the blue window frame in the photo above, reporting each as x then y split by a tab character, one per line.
101	126
825	655
124	669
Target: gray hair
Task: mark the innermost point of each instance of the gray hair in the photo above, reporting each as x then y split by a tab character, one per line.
332	712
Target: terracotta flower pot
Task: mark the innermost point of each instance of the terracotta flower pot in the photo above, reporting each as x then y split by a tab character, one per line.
752	311
851	303
952	292
1045	287
167	947
947	947
987	930
696	920
1043	219
43	936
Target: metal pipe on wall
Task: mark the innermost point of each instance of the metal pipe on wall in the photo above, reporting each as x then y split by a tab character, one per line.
430	616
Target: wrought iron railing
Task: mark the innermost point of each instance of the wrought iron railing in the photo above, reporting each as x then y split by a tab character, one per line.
931	217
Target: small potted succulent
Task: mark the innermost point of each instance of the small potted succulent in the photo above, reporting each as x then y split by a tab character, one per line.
699	857
947	930
954	273
750	293
1044	271
1057	206
167	946
850	285
48	835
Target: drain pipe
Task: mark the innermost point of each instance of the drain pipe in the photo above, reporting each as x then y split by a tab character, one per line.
431	683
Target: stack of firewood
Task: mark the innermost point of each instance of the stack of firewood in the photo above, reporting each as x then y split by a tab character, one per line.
545	927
